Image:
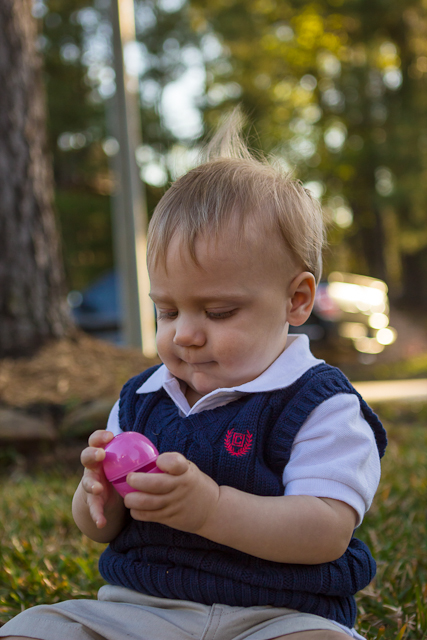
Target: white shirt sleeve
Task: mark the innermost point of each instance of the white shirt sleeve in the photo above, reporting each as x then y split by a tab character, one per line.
113	420
334	455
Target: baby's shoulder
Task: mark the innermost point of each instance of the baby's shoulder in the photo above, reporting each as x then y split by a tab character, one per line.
136	381
295	404
314	386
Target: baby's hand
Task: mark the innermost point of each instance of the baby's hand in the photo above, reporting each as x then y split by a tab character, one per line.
183	497
99	492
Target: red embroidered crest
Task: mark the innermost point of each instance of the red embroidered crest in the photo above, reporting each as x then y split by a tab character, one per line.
238	444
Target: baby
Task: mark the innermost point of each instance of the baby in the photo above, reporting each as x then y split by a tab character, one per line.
271	458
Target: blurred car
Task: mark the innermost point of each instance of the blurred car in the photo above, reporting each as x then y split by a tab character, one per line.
97	310
349	309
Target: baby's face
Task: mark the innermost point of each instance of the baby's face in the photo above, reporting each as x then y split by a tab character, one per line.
223	322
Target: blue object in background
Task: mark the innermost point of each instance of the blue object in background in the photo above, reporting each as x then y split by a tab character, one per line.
97	309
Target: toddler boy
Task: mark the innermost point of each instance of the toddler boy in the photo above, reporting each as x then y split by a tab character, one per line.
271	458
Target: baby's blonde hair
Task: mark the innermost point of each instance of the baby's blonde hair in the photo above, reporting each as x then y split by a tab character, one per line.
232	185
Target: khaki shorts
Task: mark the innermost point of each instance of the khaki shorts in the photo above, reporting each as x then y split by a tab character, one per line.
123	614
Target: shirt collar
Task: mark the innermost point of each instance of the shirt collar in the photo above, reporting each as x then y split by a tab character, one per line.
292	363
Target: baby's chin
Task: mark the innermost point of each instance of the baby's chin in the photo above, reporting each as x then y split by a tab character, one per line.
203	387
208	377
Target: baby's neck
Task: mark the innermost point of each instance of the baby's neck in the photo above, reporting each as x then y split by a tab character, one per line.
192	396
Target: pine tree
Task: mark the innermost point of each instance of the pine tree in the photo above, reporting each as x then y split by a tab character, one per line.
32	302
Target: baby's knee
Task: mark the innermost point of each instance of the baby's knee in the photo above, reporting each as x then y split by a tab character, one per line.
319	634
19	638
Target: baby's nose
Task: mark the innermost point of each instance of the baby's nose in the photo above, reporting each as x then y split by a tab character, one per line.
189	334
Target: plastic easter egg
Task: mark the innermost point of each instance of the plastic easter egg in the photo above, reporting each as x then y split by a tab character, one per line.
129	451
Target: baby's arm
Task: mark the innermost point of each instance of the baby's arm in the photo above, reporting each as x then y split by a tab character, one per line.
335	459
98	509
295	529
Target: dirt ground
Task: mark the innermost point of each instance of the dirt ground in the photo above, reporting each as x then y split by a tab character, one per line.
69	372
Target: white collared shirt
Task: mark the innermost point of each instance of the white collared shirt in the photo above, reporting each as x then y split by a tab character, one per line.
334	454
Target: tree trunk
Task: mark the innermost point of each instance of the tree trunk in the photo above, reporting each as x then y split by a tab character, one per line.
32	300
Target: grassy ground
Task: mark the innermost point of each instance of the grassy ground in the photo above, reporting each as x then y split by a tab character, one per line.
45	559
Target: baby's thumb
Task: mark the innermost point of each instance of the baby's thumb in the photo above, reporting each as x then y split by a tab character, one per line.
174	463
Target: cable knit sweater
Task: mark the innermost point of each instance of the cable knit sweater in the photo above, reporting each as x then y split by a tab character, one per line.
244	444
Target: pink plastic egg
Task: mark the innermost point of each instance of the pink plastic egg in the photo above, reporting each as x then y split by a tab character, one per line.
129	451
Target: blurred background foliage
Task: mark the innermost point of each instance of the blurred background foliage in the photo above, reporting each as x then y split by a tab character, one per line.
75	40
339	90
336	91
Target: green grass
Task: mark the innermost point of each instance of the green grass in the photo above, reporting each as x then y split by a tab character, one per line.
395	605
45	559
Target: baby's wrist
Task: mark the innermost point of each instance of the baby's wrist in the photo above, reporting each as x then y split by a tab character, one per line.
213	512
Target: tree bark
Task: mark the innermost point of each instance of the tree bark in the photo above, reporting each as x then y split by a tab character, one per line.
32	301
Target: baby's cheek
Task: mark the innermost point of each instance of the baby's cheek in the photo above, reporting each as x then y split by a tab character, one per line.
237	361
246	361
164	344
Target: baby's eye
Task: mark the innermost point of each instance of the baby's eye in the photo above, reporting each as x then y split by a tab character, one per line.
166	314
220	315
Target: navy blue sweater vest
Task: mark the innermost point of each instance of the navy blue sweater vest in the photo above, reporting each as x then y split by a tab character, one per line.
244	444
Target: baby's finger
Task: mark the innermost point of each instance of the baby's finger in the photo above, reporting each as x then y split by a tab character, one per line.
100	438
173	463
155	483
92	456
92	485
145	501
96	510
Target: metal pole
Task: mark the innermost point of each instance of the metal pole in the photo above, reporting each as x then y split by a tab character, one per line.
130	214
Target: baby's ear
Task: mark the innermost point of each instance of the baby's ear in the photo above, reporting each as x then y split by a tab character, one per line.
301	298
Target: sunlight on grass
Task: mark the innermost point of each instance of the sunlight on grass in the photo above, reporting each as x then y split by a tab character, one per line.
44	556
45	559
